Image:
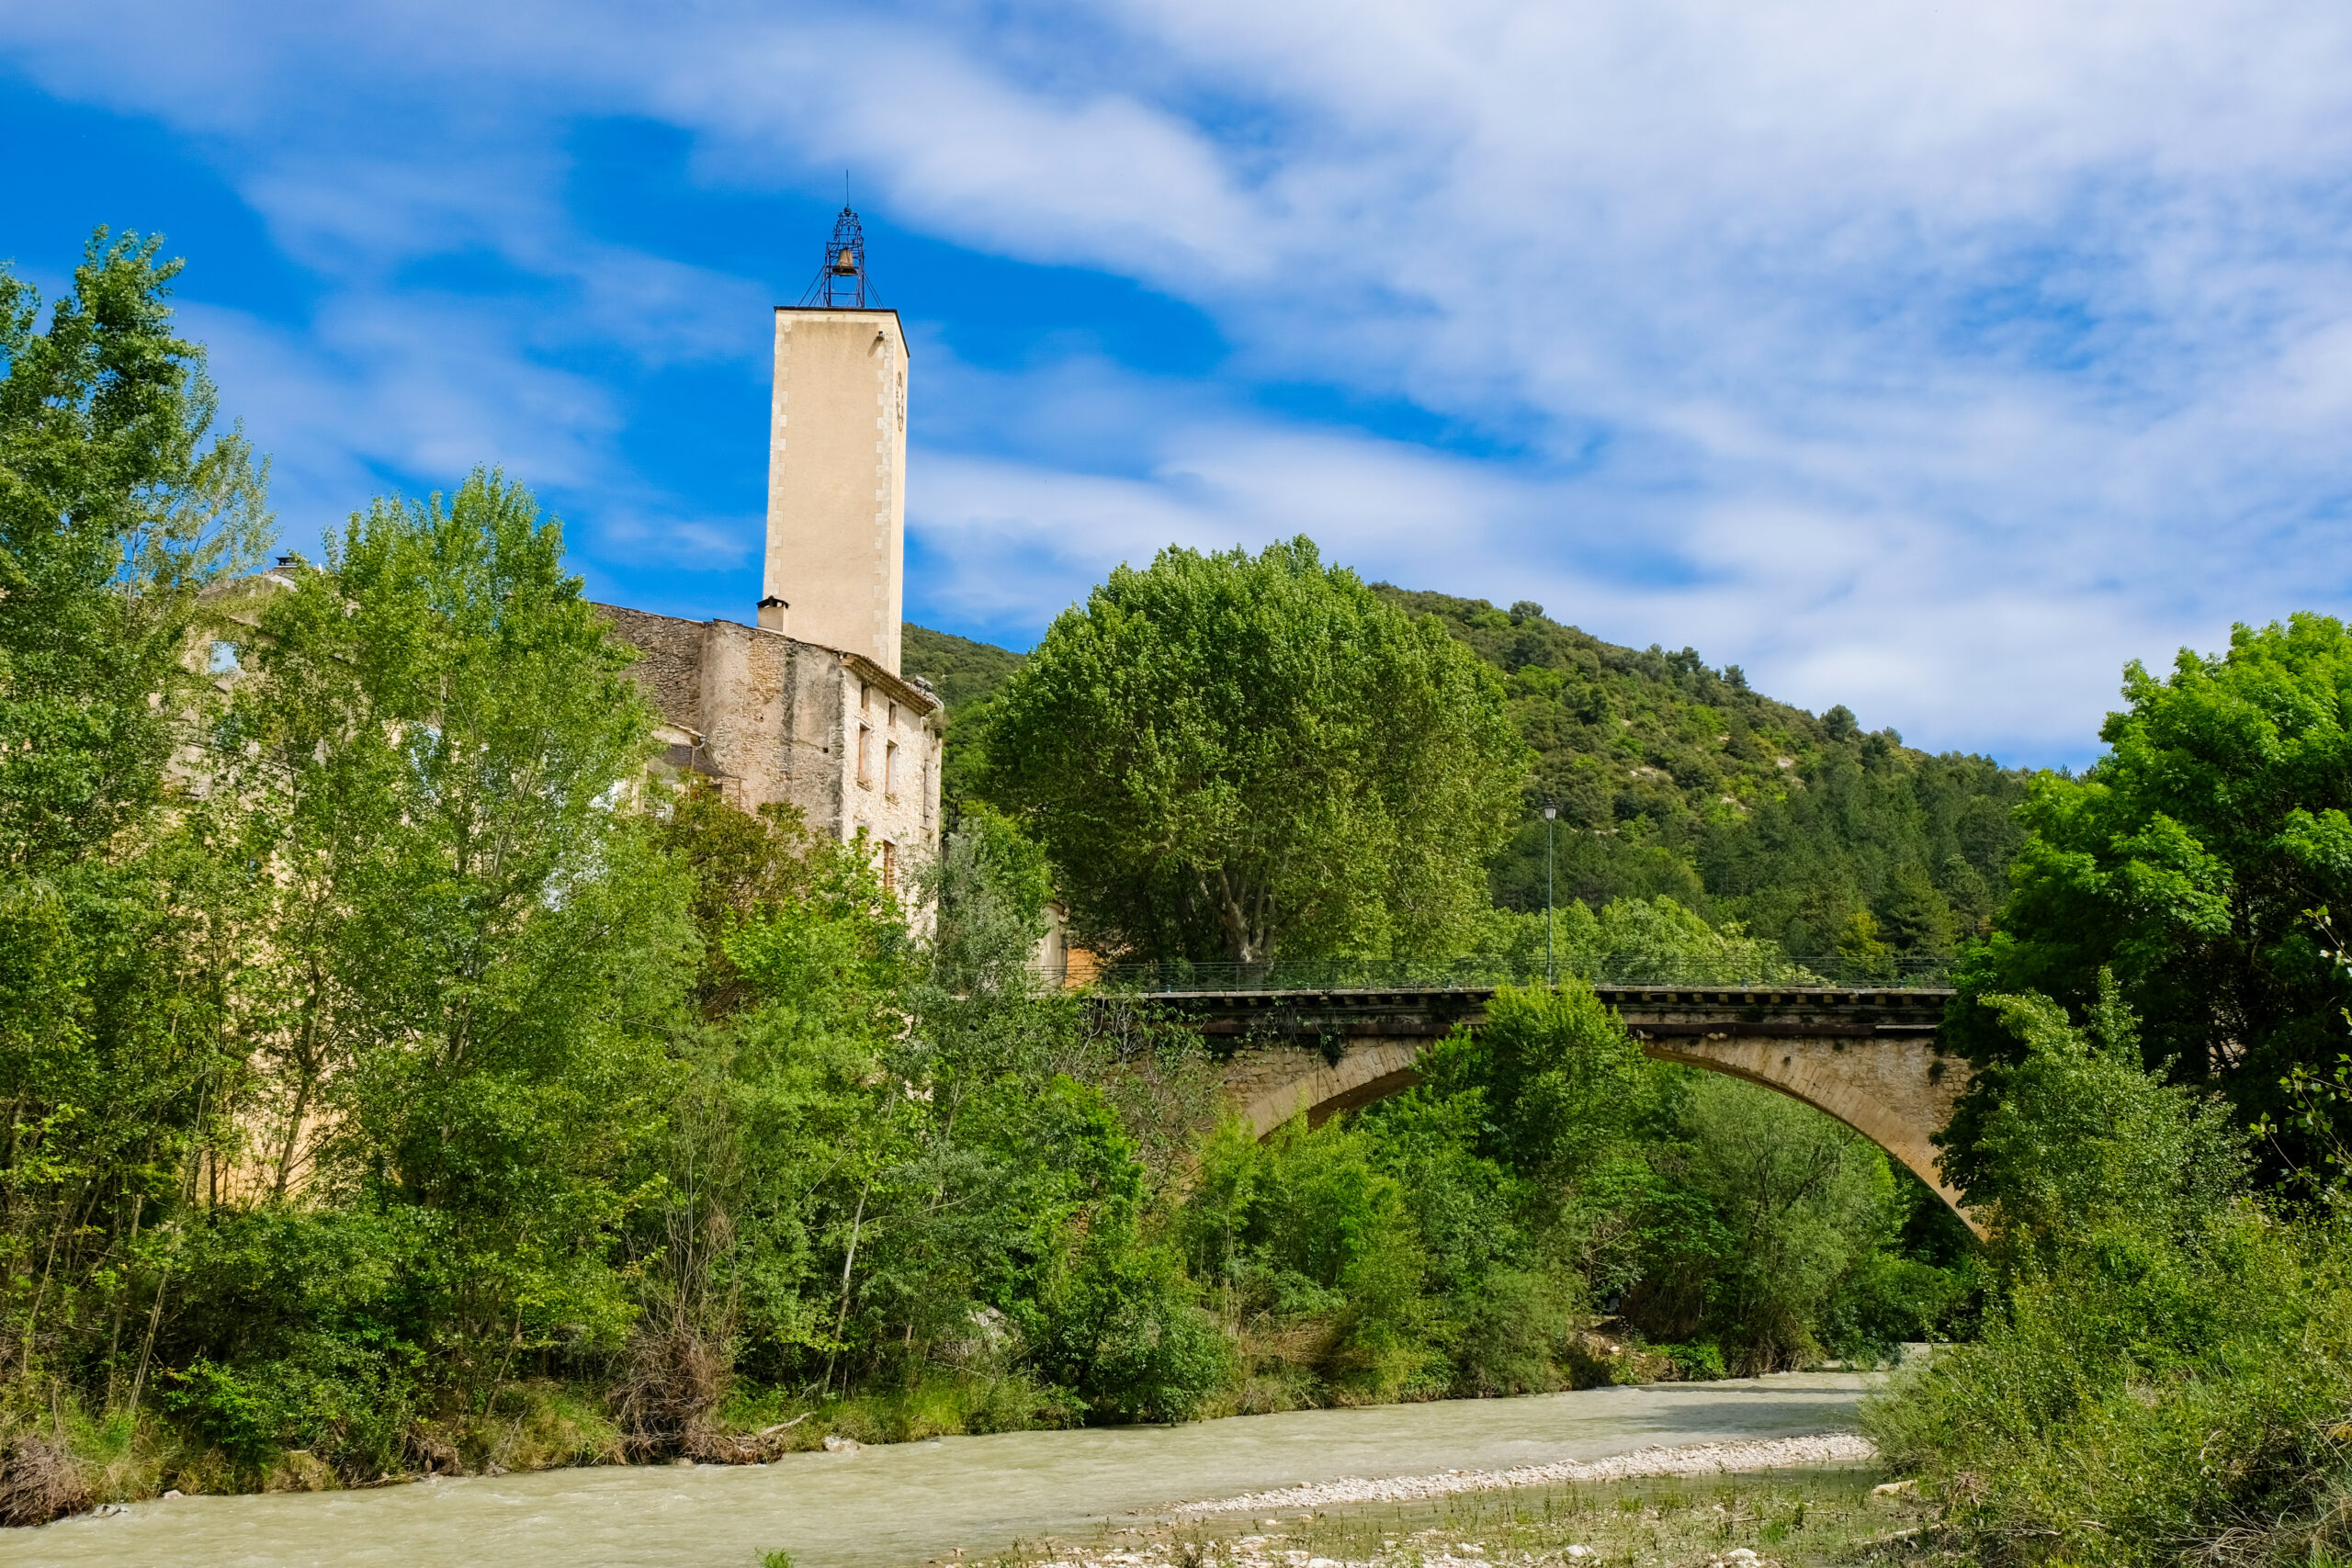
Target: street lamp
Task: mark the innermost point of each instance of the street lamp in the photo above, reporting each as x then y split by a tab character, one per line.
1550	976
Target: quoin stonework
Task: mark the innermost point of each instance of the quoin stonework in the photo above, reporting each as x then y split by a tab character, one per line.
804	705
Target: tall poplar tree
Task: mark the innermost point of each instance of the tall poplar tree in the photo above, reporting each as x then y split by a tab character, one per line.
1229	756
474	949
119	505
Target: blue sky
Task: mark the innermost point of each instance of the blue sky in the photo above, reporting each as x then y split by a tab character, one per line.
1931	359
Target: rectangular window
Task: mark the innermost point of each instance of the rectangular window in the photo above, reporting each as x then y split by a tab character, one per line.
865	699
889	868
894	716
890	770
865	755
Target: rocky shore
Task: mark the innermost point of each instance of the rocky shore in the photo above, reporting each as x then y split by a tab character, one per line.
1700	1459
1568	1518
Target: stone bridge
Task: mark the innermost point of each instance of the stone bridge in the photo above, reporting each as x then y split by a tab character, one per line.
1866	1057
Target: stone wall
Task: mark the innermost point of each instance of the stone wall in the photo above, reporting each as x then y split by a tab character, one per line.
772	718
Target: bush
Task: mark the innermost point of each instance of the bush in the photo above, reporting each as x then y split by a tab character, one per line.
2147	1404
1702	1363
2165	1376
1514	1332
1802	1202
1309	1226
1120	1329
1886	1302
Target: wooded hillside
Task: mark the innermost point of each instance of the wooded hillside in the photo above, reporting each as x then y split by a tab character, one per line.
1675	777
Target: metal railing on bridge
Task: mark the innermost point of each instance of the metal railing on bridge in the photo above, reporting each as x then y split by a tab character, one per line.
1183	976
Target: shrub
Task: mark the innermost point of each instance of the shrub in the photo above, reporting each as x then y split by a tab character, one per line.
1120	1329
2164	1377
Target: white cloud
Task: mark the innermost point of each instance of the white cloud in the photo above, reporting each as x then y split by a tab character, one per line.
1930	358
377	387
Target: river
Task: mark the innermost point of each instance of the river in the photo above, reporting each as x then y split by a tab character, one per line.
904	1504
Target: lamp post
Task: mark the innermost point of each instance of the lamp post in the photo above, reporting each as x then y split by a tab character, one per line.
1551	974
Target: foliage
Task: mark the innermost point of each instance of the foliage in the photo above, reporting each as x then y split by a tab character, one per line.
440	730
1803	1213
404	1077
457	961
1465	1236
1308	1228
1629	940
1674	779
1225	756
736	862
891	1159
1705	1210
2166	1378
2186	860
119	507
966	675
2079	1133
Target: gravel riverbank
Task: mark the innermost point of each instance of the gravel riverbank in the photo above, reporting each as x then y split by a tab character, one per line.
1695	1459
1725	1505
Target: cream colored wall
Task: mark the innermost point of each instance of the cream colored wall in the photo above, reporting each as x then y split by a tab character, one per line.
837	461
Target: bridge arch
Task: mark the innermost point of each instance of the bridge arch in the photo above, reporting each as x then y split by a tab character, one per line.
1867	1058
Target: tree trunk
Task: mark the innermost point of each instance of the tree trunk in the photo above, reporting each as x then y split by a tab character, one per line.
1245	930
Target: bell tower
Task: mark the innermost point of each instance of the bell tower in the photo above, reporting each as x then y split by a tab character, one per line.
837	461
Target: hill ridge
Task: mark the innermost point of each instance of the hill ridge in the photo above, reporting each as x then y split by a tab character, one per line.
1676	778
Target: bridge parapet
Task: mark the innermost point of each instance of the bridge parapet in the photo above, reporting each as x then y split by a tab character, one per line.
1664	1011
1184	976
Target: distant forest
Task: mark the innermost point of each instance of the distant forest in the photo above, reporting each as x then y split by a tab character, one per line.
1673	777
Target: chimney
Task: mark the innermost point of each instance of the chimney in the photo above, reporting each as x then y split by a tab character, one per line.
775	615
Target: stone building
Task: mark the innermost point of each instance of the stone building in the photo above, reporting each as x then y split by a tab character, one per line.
805	704
770	717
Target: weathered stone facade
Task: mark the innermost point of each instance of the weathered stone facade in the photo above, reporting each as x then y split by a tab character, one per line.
807	707
770	719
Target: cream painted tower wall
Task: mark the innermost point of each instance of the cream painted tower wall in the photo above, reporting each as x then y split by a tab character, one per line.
837	494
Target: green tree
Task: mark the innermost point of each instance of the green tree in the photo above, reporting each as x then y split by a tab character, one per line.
2161	1377
2080	1138
896	1159
472	951
2186	862
120	506
1673	778
1798	1204
117	506
1226	756
1307	1232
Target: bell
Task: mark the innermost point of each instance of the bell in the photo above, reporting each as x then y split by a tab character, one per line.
847	264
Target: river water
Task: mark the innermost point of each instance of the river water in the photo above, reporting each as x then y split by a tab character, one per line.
906	1503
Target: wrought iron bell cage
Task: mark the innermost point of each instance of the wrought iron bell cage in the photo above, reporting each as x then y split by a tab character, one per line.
840	282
